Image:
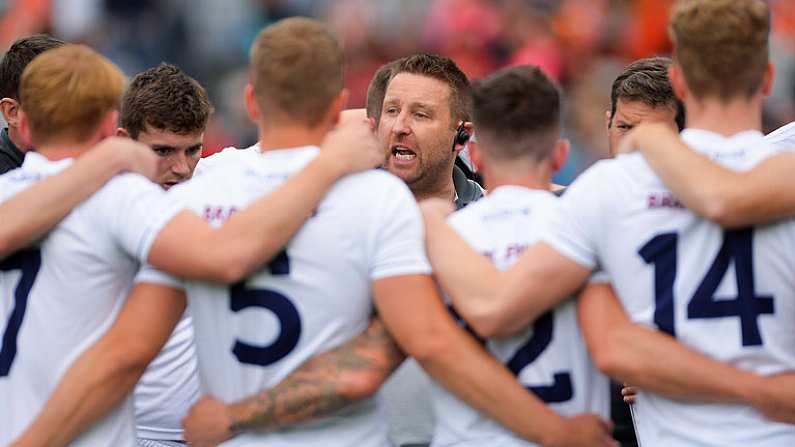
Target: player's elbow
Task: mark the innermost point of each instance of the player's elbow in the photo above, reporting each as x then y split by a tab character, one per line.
362	385
716	210
488	322
426	347
609	357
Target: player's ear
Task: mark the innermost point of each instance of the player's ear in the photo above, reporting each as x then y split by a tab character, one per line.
24	128
337	106
254	113
10	109
122	132
677	81
608	120
767	81
559	155
109	124
475	155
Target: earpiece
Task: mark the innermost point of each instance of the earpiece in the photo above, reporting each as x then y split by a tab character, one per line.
461	136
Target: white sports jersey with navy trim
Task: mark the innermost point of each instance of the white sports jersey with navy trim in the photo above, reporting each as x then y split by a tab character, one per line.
783	138
169	387
550	356
62	295
730	295
313	297
219	158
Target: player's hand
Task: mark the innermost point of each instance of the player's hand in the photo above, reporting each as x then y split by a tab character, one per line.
436	208
638	137
207	423
132	155
585	430
352	146
629	393
775	397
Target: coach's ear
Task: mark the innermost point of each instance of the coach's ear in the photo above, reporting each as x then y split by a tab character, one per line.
254	113
24	128
10	109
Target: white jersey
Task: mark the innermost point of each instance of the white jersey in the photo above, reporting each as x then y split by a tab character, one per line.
728	294
549	358
169	387
313	297
206	164
783	138
61	296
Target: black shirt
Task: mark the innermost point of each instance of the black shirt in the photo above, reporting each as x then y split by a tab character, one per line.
10	155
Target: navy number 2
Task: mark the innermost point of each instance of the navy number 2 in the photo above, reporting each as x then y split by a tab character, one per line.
28	261
561	389
737	246
242	297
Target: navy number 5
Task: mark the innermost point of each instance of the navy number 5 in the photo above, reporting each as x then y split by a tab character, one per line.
28	261
242	297
748	306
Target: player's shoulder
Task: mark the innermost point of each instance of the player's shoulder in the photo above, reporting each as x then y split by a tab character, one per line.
783	137
374	182
224	156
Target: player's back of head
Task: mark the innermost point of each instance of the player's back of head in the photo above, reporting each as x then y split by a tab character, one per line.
18	56
67	92
164	98
296	71
646	80
442	69
376	90
721	46
517	114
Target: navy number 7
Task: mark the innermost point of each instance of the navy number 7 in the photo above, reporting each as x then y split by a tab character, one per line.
28	261
738	247
242	297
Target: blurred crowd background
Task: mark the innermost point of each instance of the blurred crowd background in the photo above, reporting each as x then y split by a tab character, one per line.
581	43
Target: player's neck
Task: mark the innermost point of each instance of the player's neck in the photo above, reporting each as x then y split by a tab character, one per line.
60	150
527	175
725	118
290	136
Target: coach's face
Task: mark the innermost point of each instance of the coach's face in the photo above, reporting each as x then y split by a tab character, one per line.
417	130
179	153
631	113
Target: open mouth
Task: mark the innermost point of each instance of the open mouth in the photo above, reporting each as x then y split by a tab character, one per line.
403	153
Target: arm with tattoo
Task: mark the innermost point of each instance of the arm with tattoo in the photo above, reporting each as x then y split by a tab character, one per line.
321	386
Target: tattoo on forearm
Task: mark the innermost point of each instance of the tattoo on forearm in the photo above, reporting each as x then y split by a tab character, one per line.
322	385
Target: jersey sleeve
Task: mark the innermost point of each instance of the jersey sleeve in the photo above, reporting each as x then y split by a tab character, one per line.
572	226
138	210
399	243
149	274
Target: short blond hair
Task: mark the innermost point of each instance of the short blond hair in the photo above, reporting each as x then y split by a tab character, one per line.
721	45
66	92
296	70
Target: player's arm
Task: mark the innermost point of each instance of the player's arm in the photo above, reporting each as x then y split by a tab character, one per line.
190	248
321	386
424	329
730	198
652	360
105	373
493	302
33	212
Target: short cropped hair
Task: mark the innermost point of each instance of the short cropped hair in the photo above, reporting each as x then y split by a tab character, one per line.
445	70
164	98
18	57
66	92
517	111
377	90
721	45
646	81
296	69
